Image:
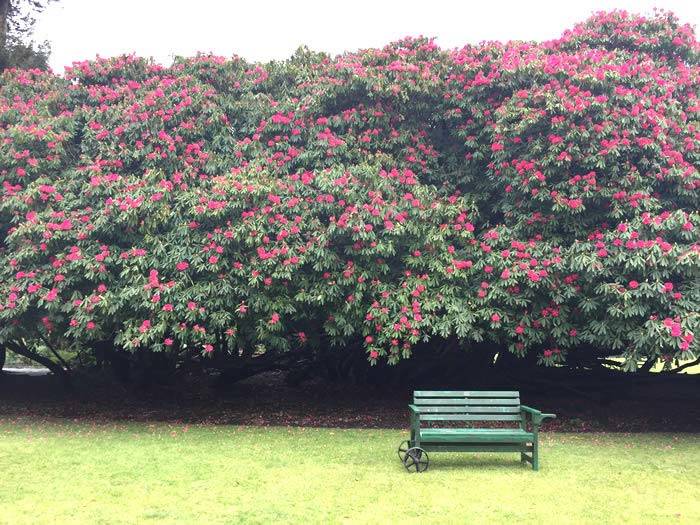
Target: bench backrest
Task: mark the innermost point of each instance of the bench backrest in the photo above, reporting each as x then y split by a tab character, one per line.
468	405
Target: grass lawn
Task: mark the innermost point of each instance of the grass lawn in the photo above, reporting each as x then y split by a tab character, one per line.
141	473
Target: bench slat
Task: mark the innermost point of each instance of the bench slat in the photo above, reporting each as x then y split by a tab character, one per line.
465	393
467	417
453	401
466	403
476	447
468	410
442	410
478	402
451	435
493	410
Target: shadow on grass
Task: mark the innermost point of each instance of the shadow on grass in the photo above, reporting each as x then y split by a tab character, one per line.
461	462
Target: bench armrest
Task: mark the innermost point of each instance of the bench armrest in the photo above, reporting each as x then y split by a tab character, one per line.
414	410
536	416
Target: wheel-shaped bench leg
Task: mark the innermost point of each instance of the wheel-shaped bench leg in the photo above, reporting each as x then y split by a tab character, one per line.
403	448
416	460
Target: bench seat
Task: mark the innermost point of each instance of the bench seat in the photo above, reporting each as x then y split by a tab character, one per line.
475	435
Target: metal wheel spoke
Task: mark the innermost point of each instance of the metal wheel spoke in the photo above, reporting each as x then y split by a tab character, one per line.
416	458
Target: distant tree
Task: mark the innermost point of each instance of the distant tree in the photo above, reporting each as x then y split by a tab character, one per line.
17	20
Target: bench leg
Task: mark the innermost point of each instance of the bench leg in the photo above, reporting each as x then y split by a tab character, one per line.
524	457
535	455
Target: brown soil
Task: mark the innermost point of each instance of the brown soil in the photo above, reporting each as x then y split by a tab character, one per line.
267	400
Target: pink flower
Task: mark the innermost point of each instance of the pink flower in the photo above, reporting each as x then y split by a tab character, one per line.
462	265
275	318
495	318
145	326
51	295
633	285
533	276
505	274
208	348
496	146
168	342
182	265
213	259
167	307
90	325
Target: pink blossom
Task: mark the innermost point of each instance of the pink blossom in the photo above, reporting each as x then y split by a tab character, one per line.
462	265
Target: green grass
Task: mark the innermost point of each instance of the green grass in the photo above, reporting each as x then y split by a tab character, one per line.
160	473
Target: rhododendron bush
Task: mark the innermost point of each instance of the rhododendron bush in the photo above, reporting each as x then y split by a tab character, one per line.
539	197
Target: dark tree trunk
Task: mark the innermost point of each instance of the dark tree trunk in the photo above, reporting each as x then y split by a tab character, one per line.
53	367
3	354
4	11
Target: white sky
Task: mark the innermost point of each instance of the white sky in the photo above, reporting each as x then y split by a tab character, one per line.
261	30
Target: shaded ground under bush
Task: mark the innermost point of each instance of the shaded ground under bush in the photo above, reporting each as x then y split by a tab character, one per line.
267	399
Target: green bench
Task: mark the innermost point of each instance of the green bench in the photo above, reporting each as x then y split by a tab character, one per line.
470	406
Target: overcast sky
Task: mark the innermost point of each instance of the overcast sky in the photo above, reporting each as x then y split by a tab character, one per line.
264	30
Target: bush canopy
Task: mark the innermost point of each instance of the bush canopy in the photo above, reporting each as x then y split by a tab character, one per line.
539	197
